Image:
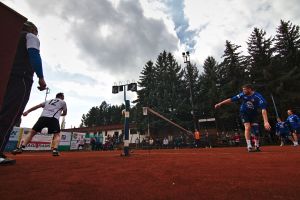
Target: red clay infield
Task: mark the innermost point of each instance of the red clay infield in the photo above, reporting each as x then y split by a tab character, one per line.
219	173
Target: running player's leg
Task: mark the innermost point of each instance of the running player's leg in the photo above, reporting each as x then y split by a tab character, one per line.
295	137
28	138
281	141
53	127
255	128
56	140
247	125
39	125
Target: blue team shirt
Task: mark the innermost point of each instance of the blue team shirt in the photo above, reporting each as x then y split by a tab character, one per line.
294	121
251	103
282	128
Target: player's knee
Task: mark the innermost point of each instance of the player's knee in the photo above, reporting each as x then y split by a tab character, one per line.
255	129
247	126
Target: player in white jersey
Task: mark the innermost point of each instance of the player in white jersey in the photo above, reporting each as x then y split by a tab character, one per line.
49	118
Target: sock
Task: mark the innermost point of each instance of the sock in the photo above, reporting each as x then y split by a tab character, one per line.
256	143
295	142
249	143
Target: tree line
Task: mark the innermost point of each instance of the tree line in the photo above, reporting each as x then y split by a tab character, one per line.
271	64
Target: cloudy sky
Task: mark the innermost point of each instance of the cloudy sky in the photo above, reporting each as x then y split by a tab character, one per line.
88	46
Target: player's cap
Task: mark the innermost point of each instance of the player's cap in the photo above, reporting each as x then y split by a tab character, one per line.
29	26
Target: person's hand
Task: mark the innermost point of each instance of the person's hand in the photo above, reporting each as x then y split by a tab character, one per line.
218	105
267	126
42	84
25	114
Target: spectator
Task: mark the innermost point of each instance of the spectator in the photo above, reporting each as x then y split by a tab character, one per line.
236	139
165	142
144	143
98	142
207	140
137	142
151	142
197	137
93	143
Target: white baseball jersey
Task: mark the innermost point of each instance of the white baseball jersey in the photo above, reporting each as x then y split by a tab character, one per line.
54	108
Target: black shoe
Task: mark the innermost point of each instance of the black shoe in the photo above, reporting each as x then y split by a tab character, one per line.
6	161
257	149
55	153
17	151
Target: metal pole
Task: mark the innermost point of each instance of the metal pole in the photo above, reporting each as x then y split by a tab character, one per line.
126	125
276	112
47	92
191	98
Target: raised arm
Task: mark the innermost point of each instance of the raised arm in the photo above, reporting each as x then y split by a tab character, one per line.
32	109
226	101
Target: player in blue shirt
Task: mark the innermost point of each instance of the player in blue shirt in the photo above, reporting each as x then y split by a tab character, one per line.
251	101
283	131
294	123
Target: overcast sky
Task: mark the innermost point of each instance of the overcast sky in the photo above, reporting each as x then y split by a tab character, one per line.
88	46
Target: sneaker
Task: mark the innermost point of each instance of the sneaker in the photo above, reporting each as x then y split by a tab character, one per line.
281	144
250	149
6	161
17	151
295	145
257	149
55	153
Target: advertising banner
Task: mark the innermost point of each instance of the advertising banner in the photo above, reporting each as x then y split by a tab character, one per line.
78	140
41	141
65	141
13	139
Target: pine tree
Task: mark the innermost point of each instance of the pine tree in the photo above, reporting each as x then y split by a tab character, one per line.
233	71
286	62
209	86
260	51
233	74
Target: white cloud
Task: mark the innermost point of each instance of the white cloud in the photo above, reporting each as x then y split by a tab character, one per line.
86	46
234	20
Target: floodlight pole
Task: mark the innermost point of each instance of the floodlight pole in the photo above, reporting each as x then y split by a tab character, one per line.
126	124
116	89
186	58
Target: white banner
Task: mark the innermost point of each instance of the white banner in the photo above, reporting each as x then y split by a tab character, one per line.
77	141
65	139
41	141
15	133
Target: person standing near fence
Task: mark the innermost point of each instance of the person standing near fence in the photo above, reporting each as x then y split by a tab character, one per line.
197	137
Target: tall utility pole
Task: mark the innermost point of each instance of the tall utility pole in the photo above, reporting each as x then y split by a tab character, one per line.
119	88
186	59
